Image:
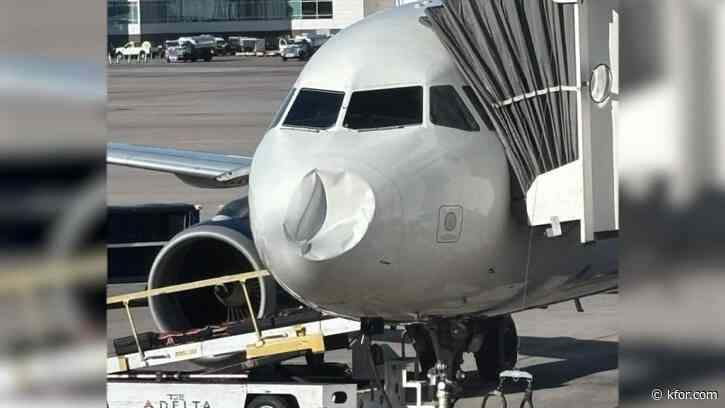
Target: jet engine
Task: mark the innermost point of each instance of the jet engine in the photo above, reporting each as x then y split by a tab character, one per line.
220	247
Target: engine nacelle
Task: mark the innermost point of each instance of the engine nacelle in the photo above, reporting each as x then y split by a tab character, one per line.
209	250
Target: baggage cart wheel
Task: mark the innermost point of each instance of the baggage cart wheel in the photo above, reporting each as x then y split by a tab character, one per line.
269	401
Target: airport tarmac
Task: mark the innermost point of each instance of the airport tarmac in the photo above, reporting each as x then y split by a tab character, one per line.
221	106
225	106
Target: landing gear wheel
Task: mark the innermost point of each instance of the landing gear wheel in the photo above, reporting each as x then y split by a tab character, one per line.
499	350
269	401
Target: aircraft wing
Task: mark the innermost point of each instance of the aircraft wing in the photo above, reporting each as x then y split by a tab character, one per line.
200	169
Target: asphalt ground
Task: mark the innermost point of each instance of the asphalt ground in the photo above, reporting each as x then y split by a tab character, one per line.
221	106
225	106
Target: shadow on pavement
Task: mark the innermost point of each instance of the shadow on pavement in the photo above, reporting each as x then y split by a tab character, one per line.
574	359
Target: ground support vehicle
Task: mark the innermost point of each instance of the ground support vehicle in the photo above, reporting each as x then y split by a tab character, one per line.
130	51
378	377
301	47
189	52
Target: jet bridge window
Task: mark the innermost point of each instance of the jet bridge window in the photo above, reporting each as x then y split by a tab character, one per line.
314	109
385	108
478	106
447	109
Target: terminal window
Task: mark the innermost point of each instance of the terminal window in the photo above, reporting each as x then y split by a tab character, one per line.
303	9
122	12
190	11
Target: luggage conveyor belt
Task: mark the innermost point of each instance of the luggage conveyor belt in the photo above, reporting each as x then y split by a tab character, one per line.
224	345
258	343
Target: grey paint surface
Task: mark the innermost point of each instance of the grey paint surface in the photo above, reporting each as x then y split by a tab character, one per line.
498	265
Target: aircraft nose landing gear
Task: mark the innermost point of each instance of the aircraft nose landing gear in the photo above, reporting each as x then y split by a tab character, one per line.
445	387
440	344
449	338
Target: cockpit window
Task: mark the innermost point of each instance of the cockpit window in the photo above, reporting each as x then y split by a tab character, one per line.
478	106
314	109
447	109
384	108
278	116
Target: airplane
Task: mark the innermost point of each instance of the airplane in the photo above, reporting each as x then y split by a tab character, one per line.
380	192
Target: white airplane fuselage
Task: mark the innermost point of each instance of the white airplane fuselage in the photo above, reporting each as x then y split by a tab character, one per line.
405	222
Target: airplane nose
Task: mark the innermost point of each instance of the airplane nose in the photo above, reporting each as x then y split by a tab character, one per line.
329	213
327	226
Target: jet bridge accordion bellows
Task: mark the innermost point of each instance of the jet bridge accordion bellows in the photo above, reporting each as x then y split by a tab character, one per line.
519	56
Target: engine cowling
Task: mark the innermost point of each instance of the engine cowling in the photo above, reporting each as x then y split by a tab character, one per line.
220	247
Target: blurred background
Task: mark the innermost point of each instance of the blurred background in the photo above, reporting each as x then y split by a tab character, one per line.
671	157
52	212
671	160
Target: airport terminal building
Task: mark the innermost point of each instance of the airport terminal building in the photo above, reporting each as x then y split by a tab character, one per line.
158	20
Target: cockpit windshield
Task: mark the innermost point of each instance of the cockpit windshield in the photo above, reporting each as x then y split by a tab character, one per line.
385	108
314	109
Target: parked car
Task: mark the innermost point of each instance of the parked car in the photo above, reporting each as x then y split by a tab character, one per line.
221	47
302	46
130	50
301	50
188	51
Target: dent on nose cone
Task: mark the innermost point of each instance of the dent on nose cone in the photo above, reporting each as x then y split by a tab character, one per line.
329	214
307	210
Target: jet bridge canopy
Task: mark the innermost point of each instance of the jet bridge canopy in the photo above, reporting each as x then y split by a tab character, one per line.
547	72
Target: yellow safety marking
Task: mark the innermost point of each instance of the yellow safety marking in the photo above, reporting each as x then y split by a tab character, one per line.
186	286
189	352
268	347
121	365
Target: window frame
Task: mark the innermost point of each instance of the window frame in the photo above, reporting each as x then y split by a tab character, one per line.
484	124
292	101
463	101
325	15
281	115
309	16
424	105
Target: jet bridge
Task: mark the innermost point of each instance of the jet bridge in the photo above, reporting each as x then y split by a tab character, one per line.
548	72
